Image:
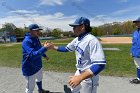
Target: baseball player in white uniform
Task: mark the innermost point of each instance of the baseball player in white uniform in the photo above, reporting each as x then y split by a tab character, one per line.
90	59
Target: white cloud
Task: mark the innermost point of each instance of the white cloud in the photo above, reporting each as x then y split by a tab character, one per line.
100	20
57	15
104	19
79	0
130	10
121	12
56	2
24	12
51	2
57	20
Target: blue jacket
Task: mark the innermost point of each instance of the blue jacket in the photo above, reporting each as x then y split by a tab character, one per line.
135	49
32	53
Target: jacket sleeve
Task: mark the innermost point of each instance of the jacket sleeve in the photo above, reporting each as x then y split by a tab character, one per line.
133	42
27	46
44	55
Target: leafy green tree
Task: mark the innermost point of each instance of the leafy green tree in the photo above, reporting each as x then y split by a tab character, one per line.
9	27
20	32
94	31
128	27
116	28
68	34
116	32
56	33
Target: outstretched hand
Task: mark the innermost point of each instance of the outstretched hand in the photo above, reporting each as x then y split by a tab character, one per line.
48	45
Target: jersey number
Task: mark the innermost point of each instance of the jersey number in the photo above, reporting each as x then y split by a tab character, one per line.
79	61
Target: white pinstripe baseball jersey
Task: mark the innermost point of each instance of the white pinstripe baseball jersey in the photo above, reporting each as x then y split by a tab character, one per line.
88	51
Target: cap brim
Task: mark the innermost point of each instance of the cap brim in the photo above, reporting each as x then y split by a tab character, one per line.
37	29
73	25
135	21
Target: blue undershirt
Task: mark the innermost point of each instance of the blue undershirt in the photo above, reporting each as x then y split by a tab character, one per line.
96	69
62	49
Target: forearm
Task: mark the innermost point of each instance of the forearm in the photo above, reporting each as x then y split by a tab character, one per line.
85	75
60	48
55	48
92	71
76	79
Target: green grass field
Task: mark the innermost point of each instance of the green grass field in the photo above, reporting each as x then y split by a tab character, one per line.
119	63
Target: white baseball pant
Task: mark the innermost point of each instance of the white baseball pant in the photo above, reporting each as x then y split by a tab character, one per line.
86	86
31	80
137	62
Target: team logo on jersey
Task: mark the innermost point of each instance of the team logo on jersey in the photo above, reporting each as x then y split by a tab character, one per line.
80	51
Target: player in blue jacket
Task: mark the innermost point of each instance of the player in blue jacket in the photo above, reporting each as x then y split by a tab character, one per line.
90	59
135	50
32	52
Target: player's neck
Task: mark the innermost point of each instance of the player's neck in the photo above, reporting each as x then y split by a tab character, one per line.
82	35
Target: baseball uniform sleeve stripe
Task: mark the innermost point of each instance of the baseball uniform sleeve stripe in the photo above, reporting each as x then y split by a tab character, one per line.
68	49
99	62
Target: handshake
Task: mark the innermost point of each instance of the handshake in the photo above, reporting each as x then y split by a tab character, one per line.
49	45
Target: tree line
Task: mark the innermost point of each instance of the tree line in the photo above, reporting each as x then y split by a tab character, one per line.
115	28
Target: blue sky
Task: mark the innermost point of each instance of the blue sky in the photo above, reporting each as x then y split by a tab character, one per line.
59	13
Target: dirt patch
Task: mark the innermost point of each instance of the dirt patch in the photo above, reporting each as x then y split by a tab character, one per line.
116	40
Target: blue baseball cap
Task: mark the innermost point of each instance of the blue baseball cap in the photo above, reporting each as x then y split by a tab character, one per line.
137	20
80	21
34	27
